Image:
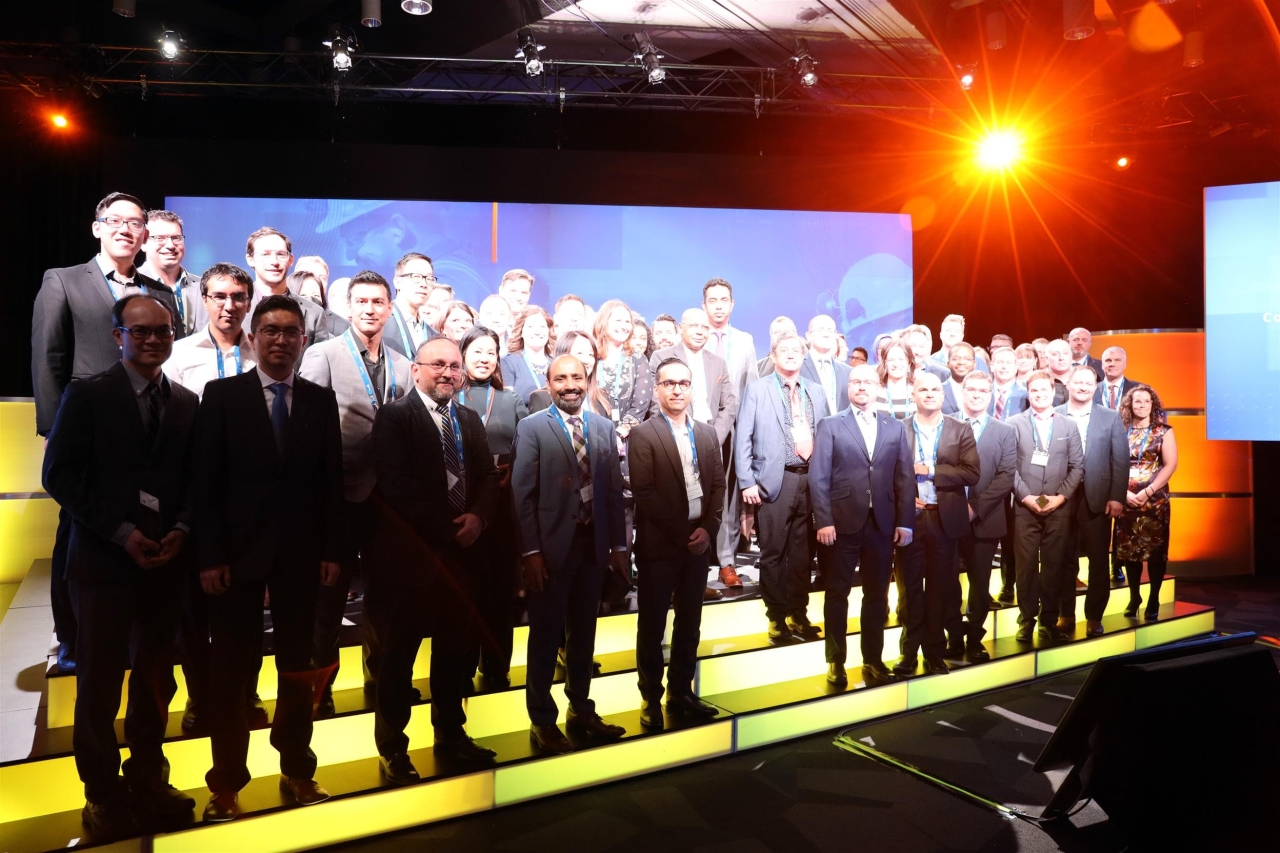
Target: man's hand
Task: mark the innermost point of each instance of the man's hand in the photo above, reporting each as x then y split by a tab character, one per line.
329	572
920	504
1055	502
972	514
216	580
469	529
699	541
751	496
170	545
827	535
1030	503
505	471
901	537
142	550
535	572
620	562
1115	509
922	469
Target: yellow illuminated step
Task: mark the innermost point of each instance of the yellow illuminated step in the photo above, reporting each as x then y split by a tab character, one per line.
820	715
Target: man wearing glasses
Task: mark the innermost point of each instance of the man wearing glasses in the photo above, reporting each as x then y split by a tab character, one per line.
72	338
219	348
165	248
406	330
269	253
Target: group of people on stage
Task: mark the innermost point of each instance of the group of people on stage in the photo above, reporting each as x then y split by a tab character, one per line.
221	440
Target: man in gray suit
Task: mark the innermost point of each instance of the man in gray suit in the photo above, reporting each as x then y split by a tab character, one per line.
269	253
165	248
1050	468
822	368
1105	443
772	447
72	338
365	375
566	484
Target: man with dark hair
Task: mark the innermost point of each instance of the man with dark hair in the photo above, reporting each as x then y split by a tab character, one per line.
960	361
405	330
219	348
515	287
72	338
268	503
365	376
126	562
665	332
998	341
165	248
569	315
269	253
857	355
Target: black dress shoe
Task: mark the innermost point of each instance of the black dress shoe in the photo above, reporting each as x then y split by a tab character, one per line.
109	820
1151	614
1117	576
977	652
780	634
1026	632
222	808
398	769
67	659
550	739
495	680
1054	633
324	708
593	725
935	666
460	747
190	716
1006	596
1132	610
876	674
954	651
162	799
906	666
1093	628
802	627
836	674
305	792
651	715
688	705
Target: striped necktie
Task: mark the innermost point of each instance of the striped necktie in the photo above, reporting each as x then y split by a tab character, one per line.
1000	405
584	465
453	464
1111	398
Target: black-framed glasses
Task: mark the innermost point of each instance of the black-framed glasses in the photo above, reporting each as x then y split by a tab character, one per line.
176	239
224	298
141	333
672	384
274	332
419	278
440	366
134	225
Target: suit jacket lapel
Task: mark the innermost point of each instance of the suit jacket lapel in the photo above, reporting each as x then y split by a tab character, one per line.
425	423
851	424
98	282
776	403
558	431
668	442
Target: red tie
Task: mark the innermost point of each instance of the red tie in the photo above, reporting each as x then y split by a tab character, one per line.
1111	403
1000	406
800	430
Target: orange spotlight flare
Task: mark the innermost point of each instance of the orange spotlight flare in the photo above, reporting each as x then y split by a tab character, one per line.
999	150
59	121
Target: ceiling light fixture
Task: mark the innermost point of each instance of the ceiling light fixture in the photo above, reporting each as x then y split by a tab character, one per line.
1078	20
170	44
529	51
342	43
967	76
648	57
125	8
371	13
416	7
805	63
997	28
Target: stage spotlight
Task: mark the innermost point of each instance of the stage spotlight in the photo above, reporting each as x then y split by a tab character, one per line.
967	76
1193	49
170	44
1078	21
1121	162
530	52
416	7
805	63
999	150
371	13
342	42
125	8
59	121
648	57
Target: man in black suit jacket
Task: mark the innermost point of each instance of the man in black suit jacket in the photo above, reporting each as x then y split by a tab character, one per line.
678	482
269	517
945	459
436	489
72	338
129	521
1080	340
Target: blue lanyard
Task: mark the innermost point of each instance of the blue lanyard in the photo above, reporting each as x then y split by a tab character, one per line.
586	439
182	309
217	349
693	445
937	435
488	404
364	373
1035	431
537	374
1145	439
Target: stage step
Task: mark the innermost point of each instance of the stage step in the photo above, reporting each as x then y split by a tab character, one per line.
41	804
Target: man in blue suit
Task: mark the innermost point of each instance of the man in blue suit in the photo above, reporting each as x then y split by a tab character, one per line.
863	487
1008	395
822	369
960	362
566	482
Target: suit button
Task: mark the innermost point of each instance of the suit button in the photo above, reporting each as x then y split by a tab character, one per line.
868	491
871	467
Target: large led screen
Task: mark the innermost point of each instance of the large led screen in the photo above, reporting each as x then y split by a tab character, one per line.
854	266
1242	311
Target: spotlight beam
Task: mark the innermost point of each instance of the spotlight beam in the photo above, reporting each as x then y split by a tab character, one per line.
1057	247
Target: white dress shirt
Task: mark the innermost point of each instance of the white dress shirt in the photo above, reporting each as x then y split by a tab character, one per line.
827	376
692	485
701	403
867	425
1082	424
270	393
194	361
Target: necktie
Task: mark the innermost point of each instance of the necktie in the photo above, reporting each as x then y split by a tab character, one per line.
279	414
828	382
453	464
153	410
720	344
1000	406
584	465
1111	399
800	430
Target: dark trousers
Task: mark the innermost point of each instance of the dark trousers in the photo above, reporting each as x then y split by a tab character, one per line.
567	605
926	570
1089	533
495	591
869	550
1008	554
783	530
235	622
406	614
686	577
193	632
976	556
64	612
1038	542
331	601
124	626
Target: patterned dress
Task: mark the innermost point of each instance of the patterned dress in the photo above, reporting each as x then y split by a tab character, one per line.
1143	533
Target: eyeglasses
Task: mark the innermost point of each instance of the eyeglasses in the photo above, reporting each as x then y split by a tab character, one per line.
274	332
176	239
134	225
418	278
223	298
440	366
141	333
868	382
267	256
672	384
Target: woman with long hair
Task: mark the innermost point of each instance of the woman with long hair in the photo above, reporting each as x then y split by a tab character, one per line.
1027	359
308	285
641	340
581	346
455	318
622	374
1142	533
528	352
897	370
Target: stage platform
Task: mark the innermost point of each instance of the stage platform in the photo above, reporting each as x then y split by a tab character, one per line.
766	694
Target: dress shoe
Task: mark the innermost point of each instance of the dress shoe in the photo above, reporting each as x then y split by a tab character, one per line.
712	594
495	680
836	674
459	746
906	666
977	653
222	808
1052	632
651	715
109	820
935	666
190	716
325	708
305	792
162	799
1081	585
398	769
66	658
257	711
954	651
729	577
1151	613
1117	575
1093	628
802	627
876	673
1132	610
594	725
550	739
1065	625
1026	632
780	634
1006	596
688	705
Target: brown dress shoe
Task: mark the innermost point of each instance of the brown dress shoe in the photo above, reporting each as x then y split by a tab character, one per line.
305	792
712	595
1066	625
222	808
550	739
1094	628
593	725
729	577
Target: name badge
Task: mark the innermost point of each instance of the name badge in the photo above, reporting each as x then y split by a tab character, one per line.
451	479
1137	475
149	501
617	415
693	488
1040	457
587	492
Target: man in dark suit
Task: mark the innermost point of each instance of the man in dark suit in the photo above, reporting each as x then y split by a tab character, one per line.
269	518
678	482
1008	395
1100	498
774	444
945	458
1049	471
988	501
566	482
960	361
920	339
165	247
1080	339
863	489
125	560
72	338
437	489
821	368
1114	383
269	253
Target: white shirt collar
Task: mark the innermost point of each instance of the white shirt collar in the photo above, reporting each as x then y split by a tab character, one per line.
109	269
267	381
204	338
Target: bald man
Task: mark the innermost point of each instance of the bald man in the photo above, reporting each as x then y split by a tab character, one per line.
1079	340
